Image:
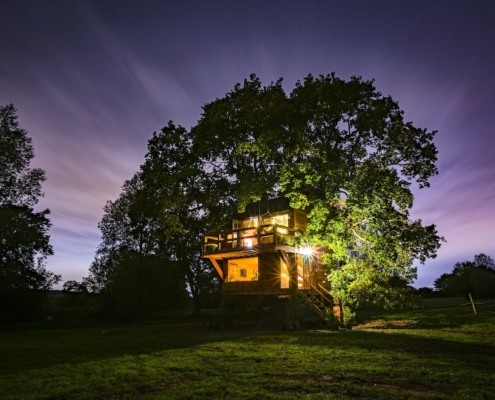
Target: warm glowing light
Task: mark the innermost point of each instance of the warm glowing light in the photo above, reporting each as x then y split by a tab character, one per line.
249	243
307	250
284	276
242	270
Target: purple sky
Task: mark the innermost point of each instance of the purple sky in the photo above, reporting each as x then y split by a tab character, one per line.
92	80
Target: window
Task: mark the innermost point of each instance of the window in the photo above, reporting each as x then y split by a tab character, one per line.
243	269
250	223
282	219
300	272
284	275
236	224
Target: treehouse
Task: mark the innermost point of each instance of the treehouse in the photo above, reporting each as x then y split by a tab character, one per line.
254	257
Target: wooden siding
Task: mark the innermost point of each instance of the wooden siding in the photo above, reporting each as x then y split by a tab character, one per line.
268	277
269	244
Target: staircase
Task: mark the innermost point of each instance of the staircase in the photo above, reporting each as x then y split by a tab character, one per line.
318	299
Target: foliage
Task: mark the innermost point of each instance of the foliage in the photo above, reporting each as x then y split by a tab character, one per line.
342	151
331	317
24	239
100	273
144	286
358	282
348	315
482	260
339	149
426	292
175	175
24	245
20	185
353	167
476	277
240	137
297	304
74	287
158	219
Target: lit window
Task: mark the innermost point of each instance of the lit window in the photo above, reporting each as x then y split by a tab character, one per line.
284	275
243	269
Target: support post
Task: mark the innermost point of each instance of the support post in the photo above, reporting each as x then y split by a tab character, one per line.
472	303
217	267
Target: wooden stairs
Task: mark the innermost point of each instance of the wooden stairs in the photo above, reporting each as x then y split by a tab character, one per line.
319	300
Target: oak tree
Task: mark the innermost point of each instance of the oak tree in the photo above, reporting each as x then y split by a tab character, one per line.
341	150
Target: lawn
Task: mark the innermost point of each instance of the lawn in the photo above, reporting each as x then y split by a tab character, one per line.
432	353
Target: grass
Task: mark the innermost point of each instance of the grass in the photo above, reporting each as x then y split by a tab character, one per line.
432	353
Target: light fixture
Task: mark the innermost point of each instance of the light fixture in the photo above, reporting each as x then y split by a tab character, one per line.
306	250
249	243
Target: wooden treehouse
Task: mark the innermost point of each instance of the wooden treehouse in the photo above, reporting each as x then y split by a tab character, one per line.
253	257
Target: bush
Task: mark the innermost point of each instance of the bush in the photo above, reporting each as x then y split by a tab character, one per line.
143	287
23	305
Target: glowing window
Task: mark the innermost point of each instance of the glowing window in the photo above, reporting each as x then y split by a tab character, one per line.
278	220
284	276
243	269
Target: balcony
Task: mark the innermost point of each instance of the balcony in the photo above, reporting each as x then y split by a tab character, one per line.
247	239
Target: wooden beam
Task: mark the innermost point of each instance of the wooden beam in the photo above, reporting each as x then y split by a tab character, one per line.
286	260
217	267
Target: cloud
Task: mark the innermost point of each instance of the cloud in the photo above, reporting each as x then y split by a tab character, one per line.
93	80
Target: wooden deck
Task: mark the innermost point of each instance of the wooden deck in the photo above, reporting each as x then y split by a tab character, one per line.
246	251
247	242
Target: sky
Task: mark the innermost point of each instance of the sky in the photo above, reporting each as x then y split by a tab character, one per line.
92	81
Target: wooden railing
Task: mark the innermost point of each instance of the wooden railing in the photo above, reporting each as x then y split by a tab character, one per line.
324	290
246	237
319	299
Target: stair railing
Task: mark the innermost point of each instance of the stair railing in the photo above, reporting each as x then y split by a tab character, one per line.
325	299
324	289
313	299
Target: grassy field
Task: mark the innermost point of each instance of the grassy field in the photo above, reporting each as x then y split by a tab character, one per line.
438	352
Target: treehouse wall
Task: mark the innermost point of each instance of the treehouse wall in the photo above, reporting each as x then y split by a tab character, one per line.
268	279
254	254
299	220
310	270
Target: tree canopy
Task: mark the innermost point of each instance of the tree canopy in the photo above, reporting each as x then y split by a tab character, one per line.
24	239
338	149
476	277
158	221
341	150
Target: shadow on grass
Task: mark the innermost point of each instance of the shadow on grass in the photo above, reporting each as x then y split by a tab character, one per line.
34	349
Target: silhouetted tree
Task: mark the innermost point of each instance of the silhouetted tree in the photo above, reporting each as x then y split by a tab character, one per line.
74	287
177	177
157	220
482	260
24	239
132	267
476	277
426	292
144	286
